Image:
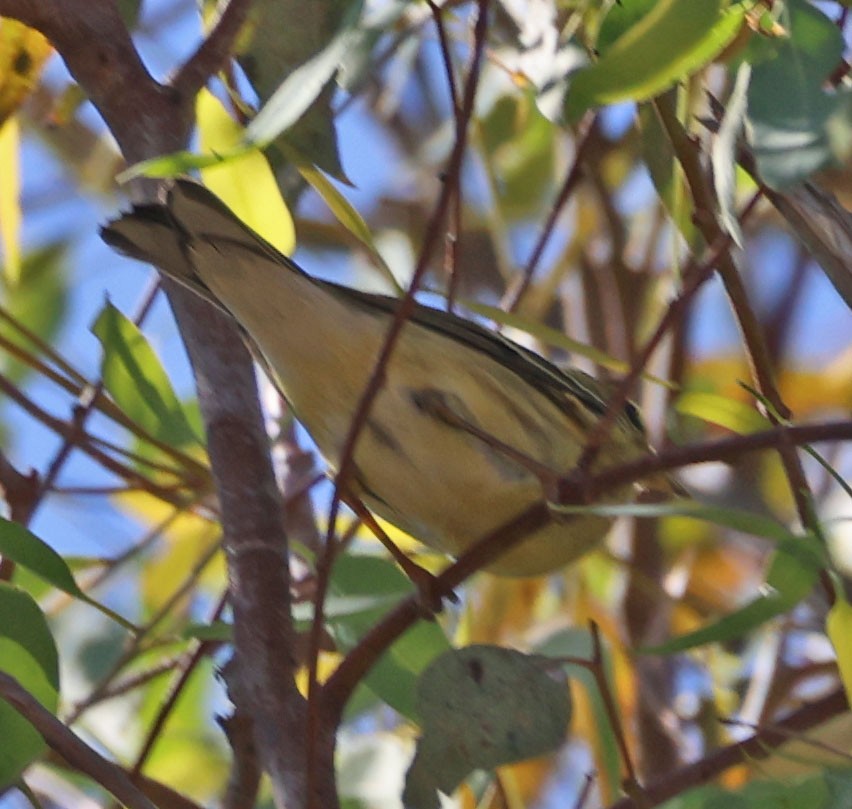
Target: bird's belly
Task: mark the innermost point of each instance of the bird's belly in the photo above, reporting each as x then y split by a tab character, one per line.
423	471
448	488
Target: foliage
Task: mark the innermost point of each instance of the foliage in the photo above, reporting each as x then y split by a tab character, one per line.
642	188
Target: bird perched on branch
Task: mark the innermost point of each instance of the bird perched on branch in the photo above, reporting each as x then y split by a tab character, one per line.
467	426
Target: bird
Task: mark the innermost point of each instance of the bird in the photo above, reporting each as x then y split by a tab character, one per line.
467	423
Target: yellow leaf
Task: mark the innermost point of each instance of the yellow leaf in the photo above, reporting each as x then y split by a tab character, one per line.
740	417
245	181
838	625
23	52
10	200
186	540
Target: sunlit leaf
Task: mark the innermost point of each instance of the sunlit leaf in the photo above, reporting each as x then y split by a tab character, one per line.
722	410
10	199
23	52
135	379
345	213
245	182
838	626
673	40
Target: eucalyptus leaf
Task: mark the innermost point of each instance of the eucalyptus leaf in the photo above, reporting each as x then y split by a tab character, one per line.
135	379
483	706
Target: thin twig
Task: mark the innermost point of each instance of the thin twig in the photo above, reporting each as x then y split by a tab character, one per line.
513	297
688	155
406	305
70	746
759	746
213	53
185	667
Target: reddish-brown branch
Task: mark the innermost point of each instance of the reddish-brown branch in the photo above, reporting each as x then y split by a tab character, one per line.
430	241
759	746
214	52
723	449
583	140
70	746
688	154
585	488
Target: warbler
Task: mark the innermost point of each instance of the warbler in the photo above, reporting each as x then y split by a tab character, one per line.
442	453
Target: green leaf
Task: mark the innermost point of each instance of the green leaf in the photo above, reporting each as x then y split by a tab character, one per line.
745	522
22	622
347	215
620	18
27	653
577	643
792	574
38	298
722	410
301	88
666	172
26	549
673	40
380	586
135	379
268	55
482	706
797	127
831	789
519	143
175	164
794	569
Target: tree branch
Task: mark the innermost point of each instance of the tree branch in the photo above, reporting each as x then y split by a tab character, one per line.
213	53
148	119
759	746
587	488
70	746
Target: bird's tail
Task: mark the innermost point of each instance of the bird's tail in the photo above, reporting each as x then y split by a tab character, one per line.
164	234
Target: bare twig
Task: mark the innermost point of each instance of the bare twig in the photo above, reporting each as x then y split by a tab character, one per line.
185	667
406	305
688	155
70	746
585	130
758	746
214	52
